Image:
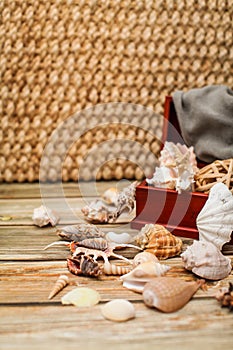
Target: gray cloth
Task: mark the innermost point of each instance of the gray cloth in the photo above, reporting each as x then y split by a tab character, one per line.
205	116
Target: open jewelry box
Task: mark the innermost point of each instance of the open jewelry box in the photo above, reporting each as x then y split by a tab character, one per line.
177	212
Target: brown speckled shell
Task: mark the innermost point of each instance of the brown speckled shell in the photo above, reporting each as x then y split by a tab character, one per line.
158	240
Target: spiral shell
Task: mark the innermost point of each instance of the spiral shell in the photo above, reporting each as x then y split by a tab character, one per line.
61	283
144	257
43	216
158	240
112	269
80	232
169	294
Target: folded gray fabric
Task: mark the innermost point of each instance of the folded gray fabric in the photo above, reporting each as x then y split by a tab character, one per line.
205	116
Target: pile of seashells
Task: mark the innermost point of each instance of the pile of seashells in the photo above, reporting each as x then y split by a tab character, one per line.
145	273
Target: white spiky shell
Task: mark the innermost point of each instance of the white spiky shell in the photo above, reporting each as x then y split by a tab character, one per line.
215	220
205	260
43	216
143	273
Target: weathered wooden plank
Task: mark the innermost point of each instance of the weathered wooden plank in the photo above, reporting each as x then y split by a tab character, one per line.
198	324
71	189
31	282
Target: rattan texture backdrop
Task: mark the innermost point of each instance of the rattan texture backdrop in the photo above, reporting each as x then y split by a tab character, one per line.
59	57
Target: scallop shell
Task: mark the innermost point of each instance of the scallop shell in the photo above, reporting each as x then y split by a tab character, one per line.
158	240
42	216
215	220
118	310
62	282
81	297
110	196
205	260
169	294
112	269
142	273
144	257
122	238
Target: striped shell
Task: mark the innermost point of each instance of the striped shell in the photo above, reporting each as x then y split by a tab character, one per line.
169	294
112	269
158	240
60	283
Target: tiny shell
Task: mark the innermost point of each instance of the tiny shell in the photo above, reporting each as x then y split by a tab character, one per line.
62	282
158	240
215	220
42	216
169	294
206	260
118	310
81	297
112	269
123	237
143	257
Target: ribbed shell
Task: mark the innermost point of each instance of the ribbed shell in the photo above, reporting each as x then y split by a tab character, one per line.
60	283
169	294
112	269
158	240
80	232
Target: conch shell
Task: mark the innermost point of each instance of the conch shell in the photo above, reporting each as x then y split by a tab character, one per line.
142	273
42	216
61	282
205	260
215	220
177	168
144	257
169	294
158	240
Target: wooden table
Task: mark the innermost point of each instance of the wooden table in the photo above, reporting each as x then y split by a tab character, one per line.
30	321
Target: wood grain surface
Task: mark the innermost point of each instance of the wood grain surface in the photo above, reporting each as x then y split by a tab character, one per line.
28	320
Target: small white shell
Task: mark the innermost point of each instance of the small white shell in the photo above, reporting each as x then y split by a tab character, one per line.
112	269
118	310
215	220
61	282
122	238
81	297
43	216
110	196
144	257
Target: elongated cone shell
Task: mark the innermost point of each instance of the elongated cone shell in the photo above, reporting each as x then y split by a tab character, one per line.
169	294
61	282
112	269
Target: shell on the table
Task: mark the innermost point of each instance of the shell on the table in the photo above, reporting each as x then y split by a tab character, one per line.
79	232
61	282
43	216
81	297
110	196
113	269
142	257
142	273
122	238
206	260
215	220
158	240
169	294
118	310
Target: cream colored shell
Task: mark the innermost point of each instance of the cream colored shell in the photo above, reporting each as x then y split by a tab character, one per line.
118	310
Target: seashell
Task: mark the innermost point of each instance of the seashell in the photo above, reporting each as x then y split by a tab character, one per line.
205	260
169	294
126	199
177	168
118	310
79	232
42	216
158	240
61	283
81	297
112	269
110	196
215	220
121	238
144	257
83	265
142	273
225	296
98	212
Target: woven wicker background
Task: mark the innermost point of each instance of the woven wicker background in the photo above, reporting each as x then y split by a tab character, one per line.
59	57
